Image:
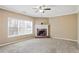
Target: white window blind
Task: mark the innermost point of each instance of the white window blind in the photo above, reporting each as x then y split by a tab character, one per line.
19	27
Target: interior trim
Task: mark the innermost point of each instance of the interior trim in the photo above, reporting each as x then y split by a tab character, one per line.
14	41
65	39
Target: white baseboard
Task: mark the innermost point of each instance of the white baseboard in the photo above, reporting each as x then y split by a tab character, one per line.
14	42
65	39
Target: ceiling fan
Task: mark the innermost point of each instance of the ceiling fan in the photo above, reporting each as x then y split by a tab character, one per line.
41	8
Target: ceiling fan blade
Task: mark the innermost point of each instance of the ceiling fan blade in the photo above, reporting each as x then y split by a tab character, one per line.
36	11
37	7
34	8
47	9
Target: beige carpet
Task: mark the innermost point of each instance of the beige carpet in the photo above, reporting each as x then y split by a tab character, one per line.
42	45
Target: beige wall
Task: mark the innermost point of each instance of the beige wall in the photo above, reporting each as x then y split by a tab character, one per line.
78	29
64	27
41	20
4	26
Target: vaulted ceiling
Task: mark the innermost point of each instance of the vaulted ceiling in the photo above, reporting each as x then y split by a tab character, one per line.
56	10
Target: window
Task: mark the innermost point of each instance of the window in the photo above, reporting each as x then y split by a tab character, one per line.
19	27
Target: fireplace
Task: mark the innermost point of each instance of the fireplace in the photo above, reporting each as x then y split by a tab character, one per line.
41	31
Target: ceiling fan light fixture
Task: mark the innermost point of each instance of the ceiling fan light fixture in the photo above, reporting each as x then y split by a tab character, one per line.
41	10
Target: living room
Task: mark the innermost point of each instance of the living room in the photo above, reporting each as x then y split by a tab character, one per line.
36	28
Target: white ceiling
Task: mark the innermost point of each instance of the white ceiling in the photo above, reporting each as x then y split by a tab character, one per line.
56	10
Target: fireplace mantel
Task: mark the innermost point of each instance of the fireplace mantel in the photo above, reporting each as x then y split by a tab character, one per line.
41	27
